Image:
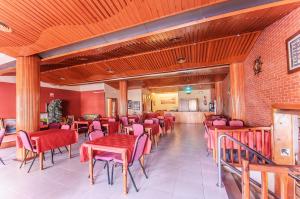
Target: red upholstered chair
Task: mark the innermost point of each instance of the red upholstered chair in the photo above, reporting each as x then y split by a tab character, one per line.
155	120
125	125
101	156
2	133
111	119
28	148
97	125
148	121
219	123
138	152
65	127
238	123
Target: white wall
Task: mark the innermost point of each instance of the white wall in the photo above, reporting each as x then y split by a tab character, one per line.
135	95
199	94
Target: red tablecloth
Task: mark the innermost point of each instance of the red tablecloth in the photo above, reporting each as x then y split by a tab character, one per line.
50	139
115	140
249	138
154	127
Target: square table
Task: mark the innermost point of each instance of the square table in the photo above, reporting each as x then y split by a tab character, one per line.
50	139
116	143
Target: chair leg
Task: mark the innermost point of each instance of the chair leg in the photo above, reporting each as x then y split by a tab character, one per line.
66	148
52	156
26	153
112	174
2	161
108	177
59	150
131	177
93	166
144	171
32	163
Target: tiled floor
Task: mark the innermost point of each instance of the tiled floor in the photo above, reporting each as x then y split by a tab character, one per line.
177	169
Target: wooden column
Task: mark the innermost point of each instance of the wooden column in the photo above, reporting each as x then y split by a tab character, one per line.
237	91
28	94
123	109
219	97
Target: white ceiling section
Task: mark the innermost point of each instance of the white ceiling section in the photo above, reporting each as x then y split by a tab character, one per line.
5	59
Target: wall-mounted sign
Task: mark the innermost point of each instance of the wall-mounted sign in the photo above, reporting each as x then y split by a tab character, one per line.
285	152
293	52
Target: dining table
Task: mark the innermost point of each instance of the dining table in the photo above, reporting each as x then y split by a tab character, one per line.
112	127
115	143
154	132
50	139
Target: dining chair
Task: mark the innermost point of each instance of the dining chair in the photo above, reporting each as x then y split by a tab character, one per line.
28	148
155	120
111	120
101	156
138	129
2	134
148	121
237	123
219	123
65	127
97	125
137	154
125	125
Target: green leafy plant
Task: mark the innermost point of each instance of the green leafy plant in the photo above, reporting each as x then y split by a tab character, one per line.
55	111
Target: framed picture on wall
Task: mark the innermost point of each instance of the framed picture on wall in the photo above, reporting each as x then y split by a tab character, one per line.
136	105
129	104
293	52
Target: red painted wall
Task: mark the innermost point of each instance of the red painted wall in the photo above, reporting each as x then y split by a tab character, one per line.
93	102
273	84
74	102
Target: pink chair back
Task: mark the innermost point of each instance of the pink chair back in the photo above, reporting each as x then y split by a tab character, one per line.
97	125
124	121
155	120
138	129
65	127
2	133
25	140
236	123
111	119
95	134
148	122
139	147
219	123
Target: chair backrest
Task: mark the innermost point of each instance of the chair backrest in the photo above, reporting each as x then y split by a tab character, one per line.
236	123
219	123
111	119
138	129
97	125
139	147
155	120
65	127
54	125
2	133
148	122
124	121
95	134
25	140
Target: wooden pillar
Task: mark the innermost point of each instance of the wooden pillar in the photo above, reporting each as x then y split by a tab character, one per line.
237	91
28	94
219	97
123	109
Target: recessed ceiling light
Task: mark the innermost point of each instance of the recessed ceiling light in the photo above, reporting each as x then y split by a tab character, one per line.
238	35
62	78
82	59
175	39
4	27
181	60
109	70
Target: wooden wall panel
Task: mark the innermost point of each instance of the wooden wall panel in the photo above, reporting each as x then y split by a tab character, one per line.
219	97
123	89
237	90
28	93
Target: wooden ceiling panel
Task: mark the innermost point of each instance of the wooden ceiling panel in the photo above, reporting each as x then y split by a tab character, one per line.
42	25
214	52
236	23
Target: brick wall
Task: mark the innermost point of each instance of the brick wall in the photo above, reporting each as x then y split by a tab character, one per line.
274	84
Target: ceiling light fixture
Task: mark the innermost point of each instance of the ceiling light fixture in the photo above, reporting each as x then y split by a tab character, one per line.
62	78
4	27
82	59
109	70
181	60
175	39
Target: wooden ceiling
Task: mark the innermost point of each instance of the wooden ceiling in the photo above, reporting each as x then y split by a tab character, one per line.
40	25
213	41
